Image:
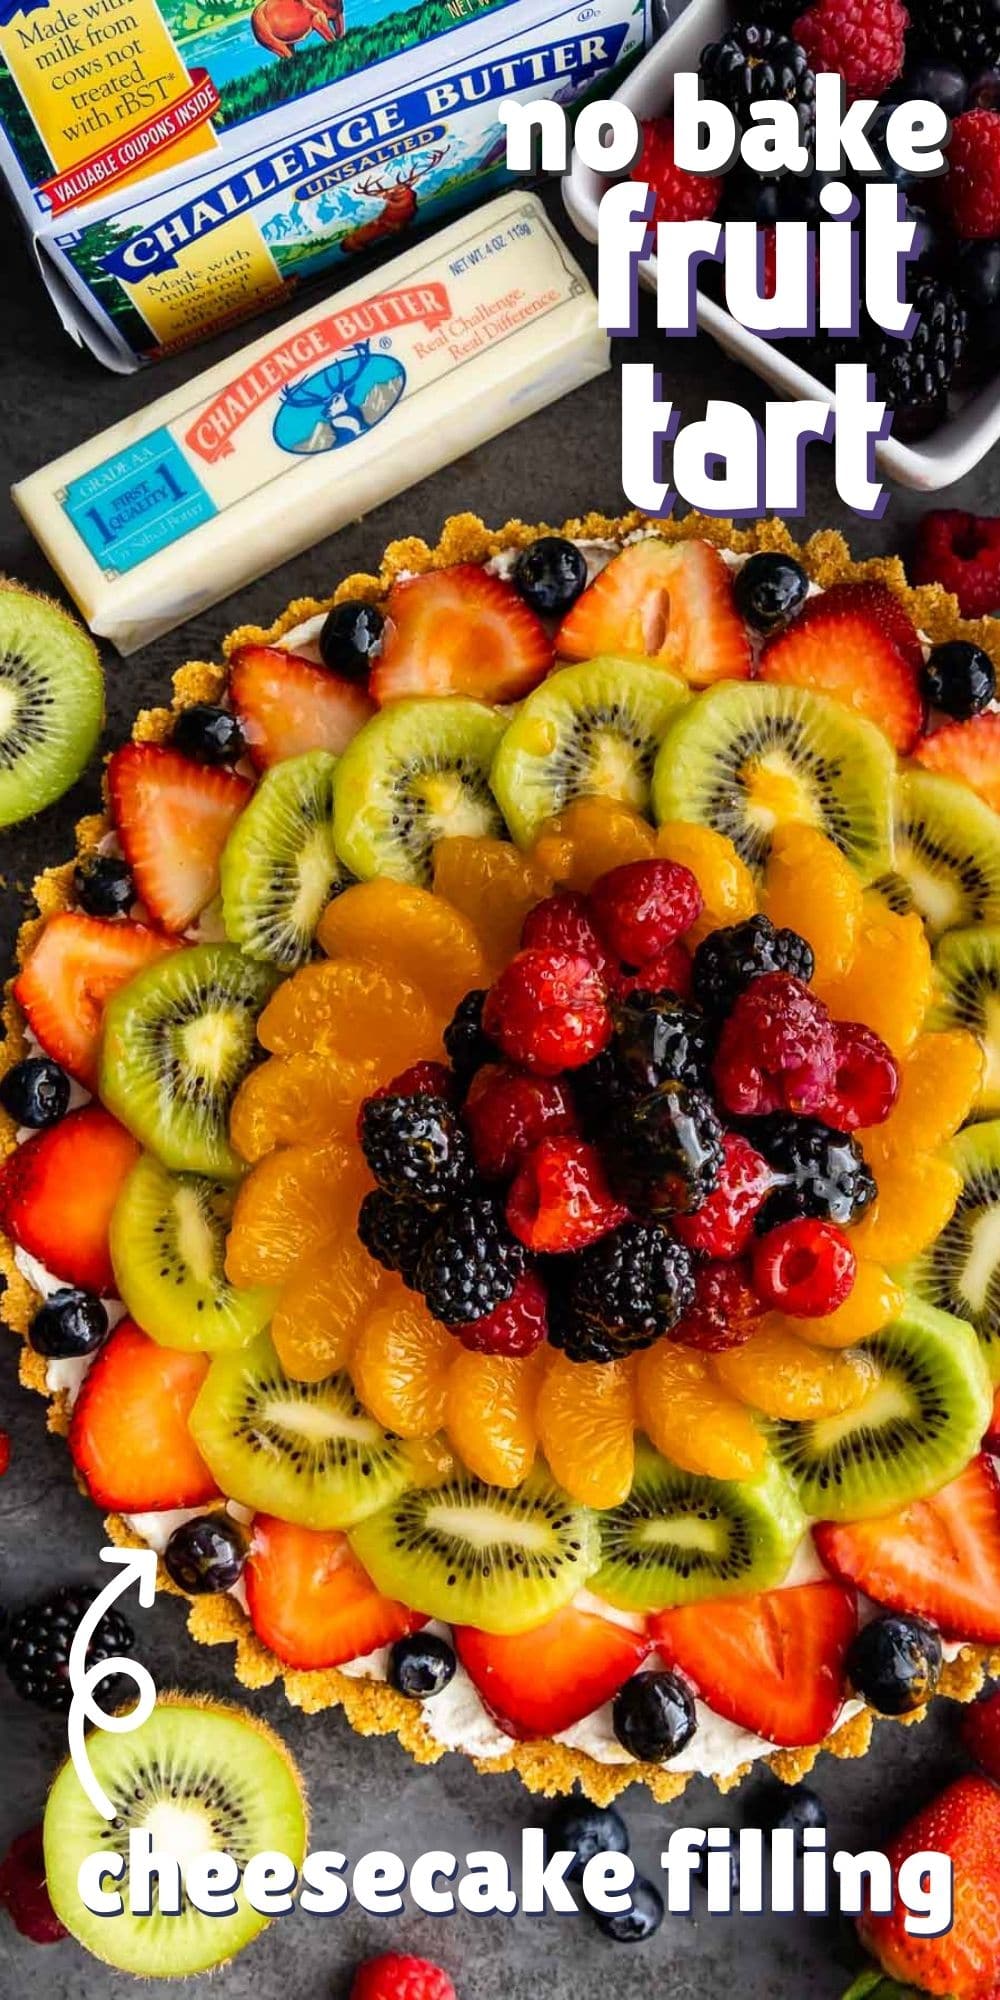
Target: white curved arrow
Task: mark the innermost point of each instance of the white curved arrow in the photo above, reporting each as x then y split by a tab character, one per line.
137	1566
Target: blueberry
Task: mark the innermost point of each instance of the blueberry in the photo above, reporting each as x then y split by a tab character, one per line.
549	575
940	83
894	1663
585	1830
640	1921
769	590
654	1717
208	734
351	637
421	1666
801	1809
977	273
701	1872
103	885
35	1092
206	1554
68	1325
959	678
984	91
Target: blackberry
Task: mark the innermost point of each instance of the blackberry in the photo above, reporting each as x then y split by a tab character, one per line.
622	1294
37	1640
416	1147
914	376
596	1089
467	1046
655	1038
469	1263
394	1232
727	961
966	32
822	1172
754	62
664	1152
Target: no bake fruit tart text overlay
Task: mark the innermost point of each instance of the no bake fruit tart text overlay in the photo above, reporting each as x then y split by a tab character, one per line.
641	1142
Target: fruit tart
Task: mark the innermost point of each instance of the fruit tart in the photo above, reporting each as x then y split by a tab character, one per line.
502	1131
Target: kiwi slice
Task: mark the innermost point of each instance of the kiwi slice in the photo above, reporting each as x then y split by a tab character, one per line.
478	1555
960	1271
195	1776
305	1451
168	1241
947	844
967	978
916	1428
681	1536
417	771
178	1041
588	730
748	756
279	866
51	701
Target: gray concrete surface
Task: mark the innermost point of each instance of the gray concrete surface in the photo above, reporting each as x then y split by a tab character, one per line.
368	1794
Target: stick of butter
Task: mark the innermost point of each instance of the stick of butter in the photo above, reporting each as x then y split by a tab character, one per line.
254	460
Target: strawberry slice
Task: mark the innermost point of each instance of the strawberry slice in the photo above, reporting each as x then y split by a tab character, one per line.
969	751
850	644
671	602
129	1436
173	818
310	1600
74	968
286	705
460	631
877	602
938	1557
772	1663
538	1682
57	1192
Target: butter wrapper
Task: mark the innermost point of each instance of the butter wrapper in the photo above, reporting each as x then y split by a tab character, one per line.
357	399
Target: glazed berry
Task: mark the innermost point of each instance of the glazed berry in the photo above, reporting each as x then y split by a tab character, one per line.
724	1224
469	1263
642	908
35	1093
515	1327
574	1826
728	960
548	1011
561	1199
800	1811
665	1151
103	886
769	590
69	1325
597	1089
960	678
208	735
866	1082
506	1113
37	1640
657	1039
421	1666
206	1554
467	1045
776	1051
550	575
654	1716
818	1172
669	972
804	1268
753	62
563	923
725	1311
640	1921
351	638
415	1147
394	1232
622	1293
23	1891
894	1663
422	1079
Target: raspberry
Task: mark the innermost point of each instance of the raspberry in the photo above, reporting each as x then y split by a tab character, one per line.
644	906
776	1051
515	1327
961	552
970	191
725	1311
622	1294
665	1151
806	1268
469	1263
563	923
548	1011
728	960
678	195
466	1044
507	1113
866	1084
724	1224
669	972
865	40
395	1977
415	1147
394	1232
23	1893
561	1199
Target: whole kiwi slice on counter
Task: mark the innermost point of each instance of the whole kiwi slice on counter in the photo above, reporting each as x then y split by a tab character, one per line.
196	1775
947	853
915	1429
501	1560
305	1451
51	701
748	756
178	1041
960	1271
168	1241
681	1536
587	730
417	771
279	866
967	995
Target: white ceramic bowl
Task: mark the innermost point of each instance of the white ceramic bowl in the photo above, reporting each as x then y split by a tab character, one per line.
957	445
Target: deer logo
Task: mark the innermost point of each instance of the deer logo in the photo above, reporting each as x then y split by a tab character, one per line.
399	204
279	24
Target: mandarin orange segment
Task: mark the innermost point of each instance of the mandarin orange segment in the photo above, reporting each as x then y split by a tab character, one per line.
490	1415
322	1306
493	884
811	888
691	1419
873	1301
586	1417
916	1196
938	1083
400	1366
888	983
780	1375
297	1100
727	886
342	1008
408	931
590	837
293	1202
